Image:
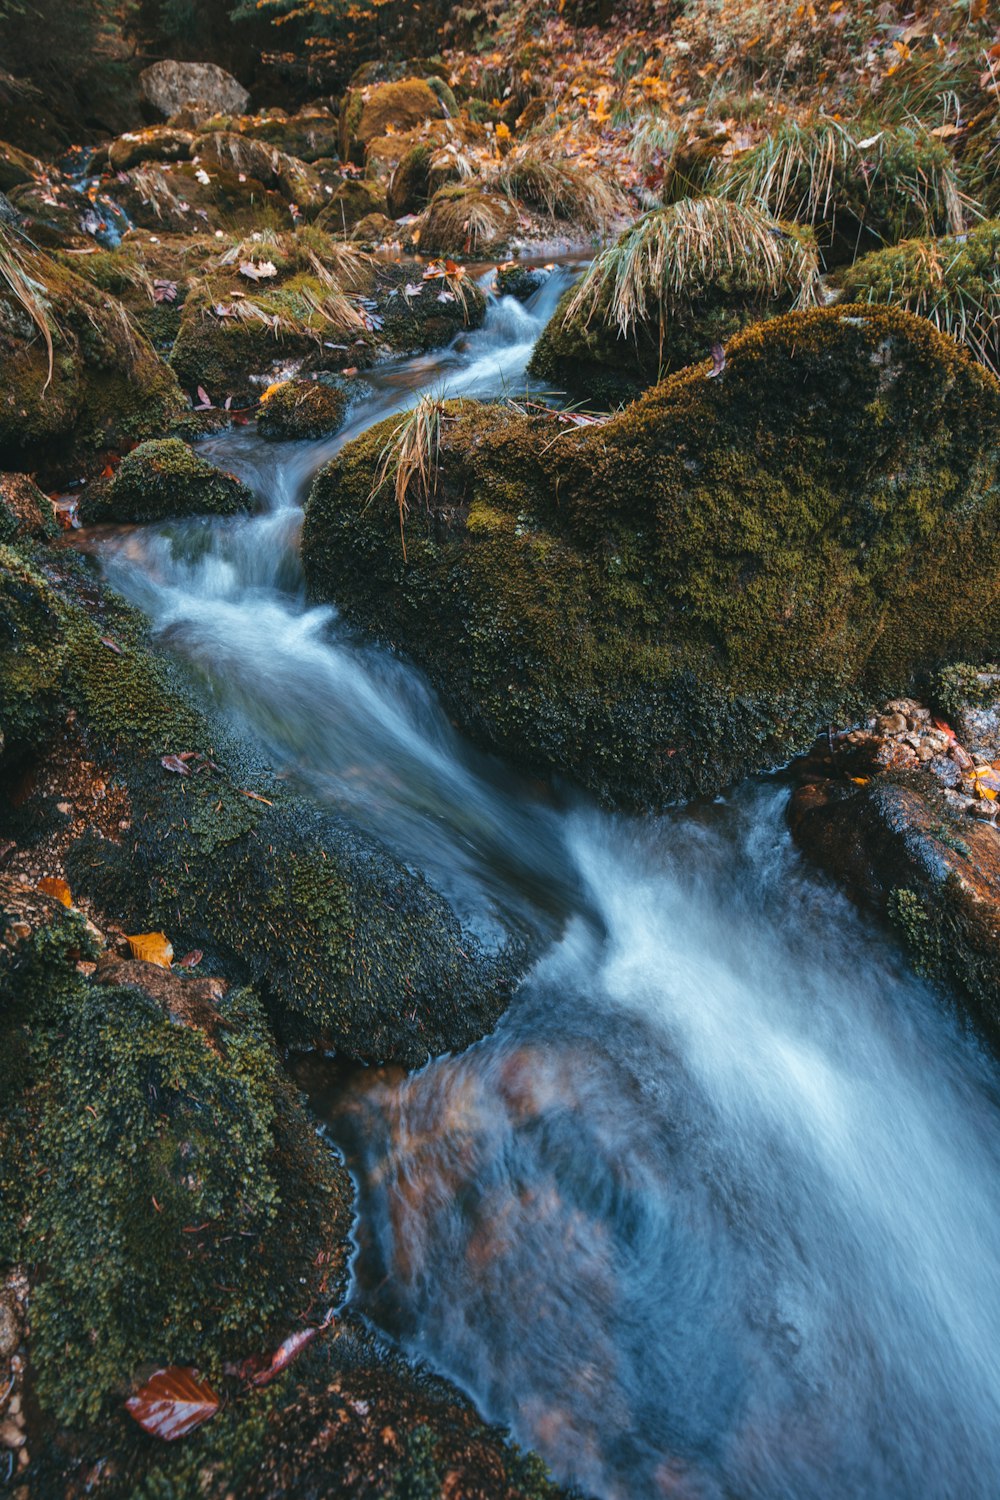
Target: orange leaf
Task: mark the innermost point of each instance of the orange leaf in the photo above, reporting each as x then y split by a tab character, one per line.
172	1403
151	948
51	885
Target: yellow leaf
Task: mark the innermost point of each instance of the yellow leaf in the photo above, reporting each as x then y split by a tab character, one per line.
51	885
151	948
861	780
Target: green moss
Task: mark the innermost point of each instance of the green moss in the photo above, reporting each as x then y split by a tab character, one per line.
107	388
408	185
33	651
349	203
955	282
691	588
303	409
383	109
160	479
412	323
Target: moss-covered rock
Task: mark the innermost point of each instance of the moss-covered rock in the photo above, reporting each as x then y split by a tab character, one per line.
354	199
347	947
188	198
465	222
407	192
681	595
107	387
161	479
310	135
384	109
692	275
417	315
954	281
156	143
299	409
25	512
225	152
17	167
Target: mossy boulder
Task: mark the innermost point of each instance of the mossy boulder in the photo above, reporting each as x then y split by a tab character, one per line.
187	197
954	281
17	167
157	143
680	596
225	152
765	268
408	185
25	512
384	109
519	281
161	479
354	199
155	1172
417	314
468	222
33	653
107	388
299	409
311	135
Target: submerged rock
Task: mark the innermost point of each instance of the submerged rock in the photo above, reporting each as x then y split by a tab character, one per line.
680	596
160	479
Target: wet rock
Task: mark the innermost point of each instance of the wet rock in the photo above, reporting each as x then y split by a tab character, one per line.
158	143
311	135
17	167
168	86
191	198
522	282
418	314
164	478
640	604
25	512
299	409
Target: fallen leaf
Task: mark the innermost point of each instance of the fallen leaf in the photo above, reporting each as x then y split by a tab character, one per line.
256	797
176	764
288	1350
51	885
944	728
111	645
258	271
191	960
172	1403
151	948
718	362
205	399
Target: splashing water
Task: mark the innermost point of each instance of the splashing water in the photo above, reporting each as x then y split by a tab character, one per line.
716	1211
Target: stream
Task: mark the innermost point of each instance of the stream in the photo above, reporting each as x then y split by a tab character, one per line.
715	1212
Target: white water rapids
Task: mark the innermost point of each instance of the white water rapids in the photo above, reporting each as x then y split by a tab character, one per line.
716	1211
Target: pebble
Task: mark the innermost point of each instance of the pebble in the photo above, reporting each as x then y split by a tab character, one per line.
891	724
11	1434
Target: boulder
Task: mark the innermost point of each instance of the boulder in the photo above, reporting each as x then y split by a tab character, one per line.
468	222
168	86
227	152
352	200
161	479
679	596
105	387
25	512
156	143
298	409
17	167
385	109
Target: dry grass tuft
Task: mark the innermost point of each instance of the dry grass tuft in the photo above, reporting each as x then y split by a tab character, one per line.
562	188
411	459
28	290
674	254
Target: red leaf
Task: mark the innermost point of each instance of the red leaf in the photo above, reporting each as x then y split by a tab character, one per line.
945	729
172	1403
288	1350
190	960
175	764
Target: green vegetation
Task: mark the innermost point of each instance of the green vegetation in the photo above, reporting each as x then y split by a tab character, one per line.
662	603
160	479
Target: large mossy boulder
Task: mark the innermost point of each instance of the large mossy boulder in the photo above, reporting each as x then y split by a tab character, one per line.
680	596
385	109
105	387
161	479
17	167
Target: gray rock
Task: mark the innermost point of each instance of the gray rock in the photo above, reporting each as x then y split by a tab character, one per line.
169	86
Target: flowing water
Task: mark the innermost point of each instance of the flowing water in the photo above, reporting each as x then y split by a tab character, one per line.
716	1210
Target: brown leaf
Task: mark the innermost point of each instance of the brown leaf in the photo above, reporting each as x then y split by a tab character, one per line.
51	885
191	960
111	645
172	1403
176	764
288	1350
151	948
718	362
256	797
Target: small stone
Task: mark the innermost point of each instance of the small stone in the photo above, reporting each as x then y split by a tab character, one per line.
891	724
924	752
961	757
945	769
64	807
22	1459
11	1435
892	755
